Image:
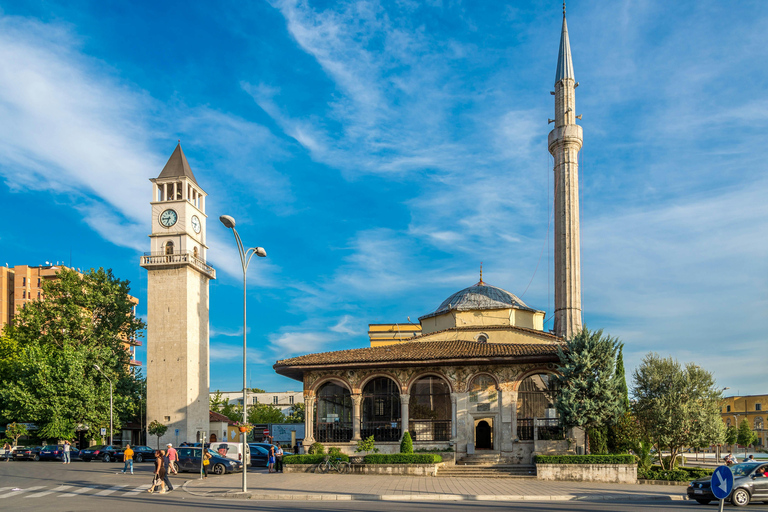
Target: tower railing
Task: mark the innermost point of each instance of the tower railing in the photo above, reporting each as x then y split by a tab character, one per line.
163	259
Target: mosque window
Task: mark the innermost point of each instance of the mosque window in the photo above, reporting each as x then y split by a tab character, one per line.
536	408
333	414
482	338
429	410
381	410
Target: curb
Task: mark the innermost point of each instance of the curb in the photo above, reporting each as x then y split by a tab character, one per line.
239	495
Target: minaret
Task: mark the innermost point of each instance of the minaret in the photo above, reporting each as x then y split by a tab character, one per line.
564	144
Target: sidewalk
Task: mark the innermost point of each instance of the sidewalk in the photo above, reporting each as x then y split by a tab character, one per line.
310	486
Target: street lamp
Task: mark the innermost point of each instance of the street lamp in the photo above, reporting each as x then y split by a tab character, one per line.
110	401
245	260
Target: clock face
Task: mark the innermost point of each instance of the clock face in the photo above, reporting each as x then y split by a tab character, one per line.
196	224
168	218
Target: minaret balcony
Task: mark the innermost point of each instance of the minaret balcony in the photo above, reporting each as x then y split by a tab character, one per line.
158	260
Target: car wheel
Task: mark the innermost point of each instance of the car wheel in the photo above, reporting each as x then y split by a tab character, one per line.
36	458
703	502
740	498
107	458
139	458
218	469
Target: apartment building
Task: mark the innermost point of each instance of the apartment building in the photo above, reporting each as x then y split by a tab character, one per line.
283	400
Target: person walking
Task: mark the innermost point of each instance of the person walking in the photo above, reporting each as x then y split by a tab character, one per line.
159	475
128	459
271	459
7	448
278	458
173	458
167	463
65	455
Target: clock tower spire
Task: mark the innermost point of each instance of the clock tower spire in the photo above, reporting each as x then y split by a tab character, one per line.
177	303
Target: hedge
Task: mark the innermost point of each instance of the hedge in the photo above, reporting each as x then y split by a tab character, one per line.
681	474
402	458
309	459
585	459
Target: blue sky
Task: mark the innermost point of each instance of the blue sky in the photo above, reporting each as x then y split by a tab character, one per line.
380	151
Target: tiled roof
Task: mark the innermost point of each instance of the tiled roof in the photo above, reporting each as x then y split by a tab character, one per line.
218	417
420	351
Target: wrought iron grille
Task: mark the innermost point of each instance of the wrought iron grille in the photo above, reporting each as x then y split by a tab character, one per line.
525	429
430	430
381	430
333	432
549	429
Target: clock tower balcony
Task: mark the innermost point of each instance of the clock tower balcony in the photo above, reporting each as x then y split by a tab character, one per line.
159	260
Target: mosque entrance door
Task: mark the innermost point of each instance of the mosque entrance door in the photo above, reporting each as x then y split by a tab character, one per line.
484	435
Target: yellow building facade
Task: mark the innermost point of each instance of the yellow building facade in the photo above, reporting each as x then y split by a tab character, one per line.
750	407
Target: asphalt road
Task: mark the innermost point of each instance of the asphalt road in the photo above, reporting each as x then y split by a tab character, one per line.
100	487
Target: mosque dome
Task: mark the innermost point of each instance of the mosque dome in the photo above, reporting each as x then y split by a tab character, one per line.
481	296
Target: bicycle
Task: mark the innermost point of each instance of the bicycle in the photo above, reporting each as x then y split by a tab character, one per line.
341	466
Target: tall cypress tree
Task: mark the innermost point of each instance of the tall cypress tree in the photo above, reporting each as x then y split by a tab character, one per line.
621	379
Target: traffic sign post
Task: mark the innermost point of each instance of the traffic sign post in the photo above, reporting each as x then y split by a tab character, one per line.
722	484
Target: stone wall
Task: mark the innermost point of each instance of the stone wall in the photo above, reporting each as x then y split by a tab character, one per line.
610	473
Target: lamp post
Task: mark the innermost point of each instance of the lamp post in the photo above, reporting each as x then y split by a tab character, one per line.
110	401
245	260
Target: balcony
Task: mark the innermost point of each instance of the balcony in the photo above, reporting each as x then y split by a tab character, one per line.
156	260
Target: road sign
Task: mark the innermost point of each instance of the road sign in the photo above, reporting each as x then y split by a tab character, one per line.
722	482
266	432
177	431
103	431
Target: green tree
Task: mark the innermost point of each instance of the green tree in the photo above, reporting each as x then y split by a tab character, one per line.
589	395
265	413
406	444
221	405
731	435
15	431
745	436
297	413
157	429
367	445
621	379
676	406
257	390
81	321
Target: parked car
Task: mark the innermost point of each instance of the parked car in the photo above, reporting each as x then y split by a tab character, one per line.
27	453
56	452
190	459
107	453
232	450
750	483
259	456
140	454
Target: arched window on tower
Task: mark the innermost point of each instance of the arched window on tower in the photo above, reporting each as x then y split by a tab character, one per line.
333	414
169	247
381	410
536	408
194	252
429	410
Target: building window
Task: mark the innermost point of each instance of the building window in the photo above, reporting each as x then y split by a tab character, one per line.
24	294
429	410
727	424
758	407
169	247
38	282
727	408
333	414
167	418
274	400
381	410
255	400
38	295
194	252
290	399
759	423
23	281
535	404
482	338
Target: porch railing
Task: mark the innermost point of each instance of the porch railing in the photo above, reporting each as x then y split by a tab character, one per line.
381	430
430	430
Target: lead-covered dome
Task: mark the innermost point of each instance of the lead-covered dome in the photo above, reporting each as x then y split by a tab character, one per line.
479	297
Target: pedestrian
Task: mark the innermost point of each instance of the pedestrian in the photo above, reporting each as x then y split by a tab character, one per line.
296	448
66	452
167	463
159	475
206	463
173	458
271	459
279	458
7	448
128	459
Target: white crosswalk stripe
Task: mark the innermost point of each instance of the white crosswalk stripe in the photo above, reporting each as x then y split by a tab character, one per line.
107	492
78	491
20	491
5	488
46	493
138	490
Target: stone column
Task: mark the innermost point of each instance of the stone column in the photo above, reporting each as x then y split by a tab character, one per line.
309	422
357	400
405	401
454	414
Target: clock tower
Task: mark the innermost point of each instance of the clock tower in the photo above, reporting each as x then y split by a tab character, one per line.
177	304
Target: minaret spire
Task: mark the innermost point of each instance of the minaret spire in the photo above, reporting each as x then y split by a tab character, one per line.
565	141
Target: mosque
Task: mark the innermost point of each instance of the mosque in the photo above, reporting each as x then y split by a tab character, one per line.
478	375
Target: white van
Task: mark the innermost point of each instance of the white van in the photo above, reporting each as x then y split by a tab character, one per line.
232	451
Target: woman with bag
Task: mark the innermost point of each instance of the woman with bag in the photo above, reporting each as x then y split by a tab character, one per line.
206	463
159	474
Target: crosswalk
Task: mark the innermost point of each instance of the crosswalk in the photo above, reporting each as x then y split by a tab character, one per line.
69	491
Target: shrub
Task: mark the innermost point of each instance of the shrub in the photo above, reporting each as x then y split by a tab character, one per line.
309	459
367	445
402	458
406	445
678	462
317	449
334	451
585	459
675	475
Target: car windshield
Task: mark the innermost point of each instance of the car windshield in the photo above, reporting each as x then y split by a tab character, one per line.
50	447
98	447
743	469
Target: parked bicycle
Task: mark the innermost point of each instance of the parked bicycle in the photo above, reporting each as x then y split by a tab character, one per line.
341	466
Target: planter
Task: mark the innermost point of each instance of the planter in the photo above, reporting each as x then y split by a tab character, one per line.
243	429
372	469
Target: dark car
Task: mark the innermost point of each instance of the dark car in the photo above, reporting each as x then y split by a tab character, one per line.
107	453
190	460
140	454
27	453
259	455
56	452
750	483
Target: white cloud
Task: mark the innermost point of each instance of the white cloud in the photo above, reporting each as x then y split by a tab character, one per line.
291	343
221	352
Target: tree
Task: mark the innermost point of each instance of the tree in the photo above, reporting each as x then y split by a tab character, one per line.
257	390
15	431
622	432
406	444
731	435
82	320
297	413
745	436
221	405
675	406
265	413
367	445
621	379
157	429
589	395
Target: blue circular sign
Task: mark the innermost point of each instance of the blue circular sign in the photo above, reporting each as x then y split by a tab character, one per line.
722	482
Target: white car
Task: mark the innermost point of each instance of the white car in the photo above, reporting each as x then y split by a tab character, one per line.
232	451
